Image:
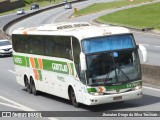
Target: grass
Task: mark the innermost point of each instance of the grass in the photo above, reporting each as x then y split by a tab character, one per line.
139	17
97	7
27	7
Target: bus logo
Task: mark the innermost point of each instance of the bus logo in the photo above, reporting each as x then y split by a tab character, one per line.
18	60
59	67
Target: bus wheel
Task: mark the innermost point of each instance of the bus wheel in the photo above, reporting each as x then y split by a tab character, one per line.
33	87
28	85
73	98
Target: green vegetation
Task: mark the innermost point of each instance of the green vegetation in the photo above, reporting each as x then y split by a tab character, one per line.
139	17
32	1
42	3
97	7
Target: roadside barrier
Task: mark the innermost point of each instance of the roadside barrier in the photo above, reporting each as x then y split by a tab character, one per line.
151	74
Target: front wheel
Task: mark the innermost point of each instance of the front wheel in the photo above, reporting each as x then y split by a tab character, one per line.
73	98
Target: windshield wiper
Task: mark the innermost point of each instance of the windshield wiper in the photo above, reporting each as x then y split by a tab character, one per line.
125	75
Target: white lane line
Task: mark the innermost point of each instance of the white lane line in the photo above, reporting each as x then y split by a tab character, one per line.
151	88
15	104
12	71
8	105
157	46
19	106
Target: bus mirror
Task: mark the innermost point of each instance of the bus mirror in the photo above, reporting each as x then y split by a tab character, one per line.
144	52
83	61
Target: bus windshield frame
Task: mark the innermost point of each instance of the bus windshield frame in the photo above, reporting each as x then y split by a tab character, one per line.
121	65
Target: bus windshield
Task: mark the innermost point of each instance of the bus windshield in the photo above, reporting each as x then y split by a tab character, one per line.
111	60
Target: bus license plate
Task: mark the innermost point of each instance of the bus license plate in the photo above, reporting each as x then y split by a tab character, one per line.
117	98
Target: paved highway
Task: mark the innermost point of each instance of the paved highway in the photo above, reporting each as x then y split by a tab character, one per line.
13	96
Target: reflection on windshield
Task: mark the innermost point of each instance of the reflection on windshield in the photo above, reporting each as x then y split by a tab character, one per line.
113	67
108	43
4	43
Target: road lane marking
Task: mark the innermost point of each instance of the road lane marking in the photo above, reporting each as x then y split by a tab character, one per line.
8	105
151	88
157	46
11	71
15	104
18	106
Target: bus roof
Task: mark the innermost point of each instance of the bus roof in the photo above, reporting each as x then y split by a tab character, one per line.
80	30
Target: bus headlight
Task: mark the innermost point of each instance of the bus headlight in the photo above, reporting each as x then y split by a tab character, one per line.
96	93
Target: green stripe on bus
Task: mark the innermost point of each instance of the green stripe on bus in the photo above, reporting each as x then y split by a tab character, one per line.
40	75
20	60
122	86
55	66
27	62
36	63
49	65
72	68
91	90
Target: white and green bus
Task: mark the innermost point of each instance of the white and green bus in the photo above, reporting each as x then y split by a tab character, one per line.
80	62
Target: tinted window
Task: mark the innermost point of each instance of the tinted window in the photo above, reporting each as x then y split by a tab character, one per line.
108	43
55	46
76	50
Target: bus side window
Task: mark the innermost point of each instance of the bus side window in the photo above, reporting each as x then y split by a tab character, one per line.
67	48
26	45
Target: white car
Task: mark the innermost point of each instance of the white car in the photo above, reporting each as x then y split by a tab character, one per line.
64	1
20	11
5	47
68	6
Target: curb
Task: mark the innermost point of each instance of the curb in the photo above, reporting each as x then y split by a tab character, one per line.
150	30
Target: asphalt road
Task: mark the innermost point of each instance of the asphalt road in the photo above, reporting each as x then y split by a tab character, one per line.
12	94
14	97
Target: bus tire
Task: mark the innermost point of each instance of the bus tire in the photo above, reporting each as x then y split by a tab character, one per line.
33	87
73	98
28	86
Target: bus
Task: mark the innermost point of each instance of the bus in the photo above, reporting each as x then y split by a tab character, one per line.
84	63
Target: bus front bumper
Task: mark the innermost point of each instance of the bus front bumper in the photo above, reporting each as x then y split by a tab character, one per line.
102	99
